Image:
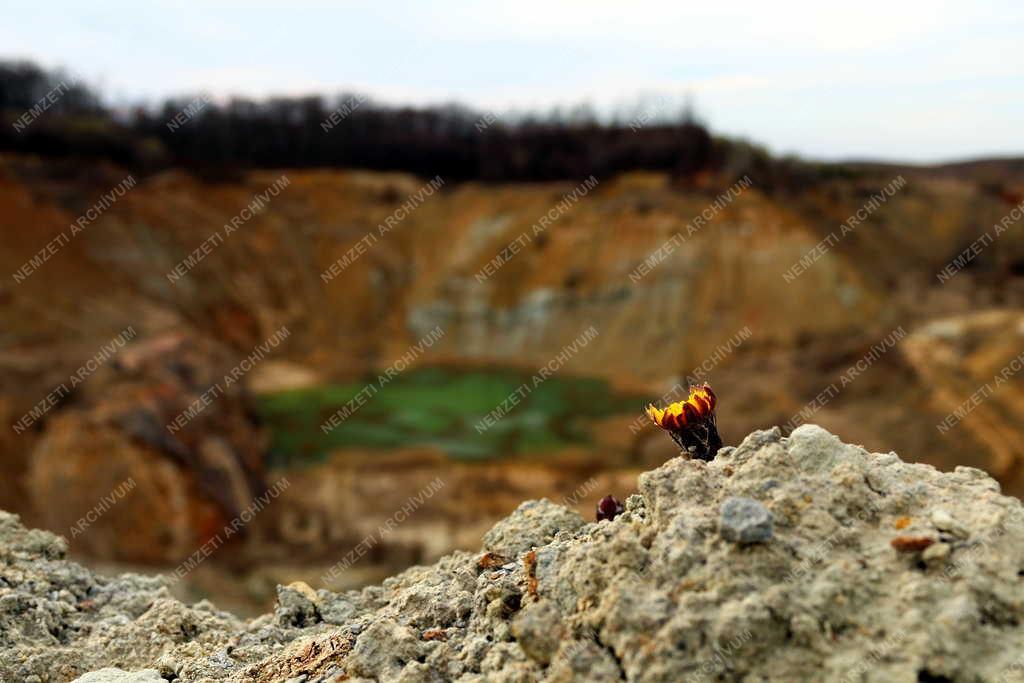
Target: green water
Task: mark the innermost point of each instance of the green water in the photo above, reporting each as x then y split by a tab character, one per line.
441	407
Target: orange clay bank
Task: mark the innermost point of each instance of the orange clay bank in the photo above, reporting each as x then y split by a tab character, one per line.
691	423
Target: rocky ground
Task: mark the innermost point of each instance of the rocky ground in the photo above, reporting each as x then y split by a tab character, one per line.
784	559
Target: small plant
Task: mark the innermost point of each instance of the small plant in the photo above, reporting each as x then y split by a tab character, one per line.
609	508
691	423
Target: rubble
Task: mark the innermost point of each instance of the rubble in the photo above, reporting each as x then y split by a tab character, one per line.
689	583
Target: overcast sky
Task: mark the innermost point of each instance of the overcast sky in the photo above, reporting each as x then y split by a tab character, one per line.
921	81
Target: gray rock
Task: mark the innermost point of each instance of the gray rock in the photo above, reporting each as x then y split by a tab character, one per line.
945	522
937	553
296	605
744	520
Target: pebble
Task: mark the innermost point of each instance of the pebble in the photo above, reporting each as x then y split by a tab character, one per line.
944	521
744	520
936	553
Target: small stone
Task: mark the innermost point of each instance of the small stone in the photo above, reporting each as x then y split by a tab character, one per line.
936	553
297	605
168	667
305	589
744	520
944	521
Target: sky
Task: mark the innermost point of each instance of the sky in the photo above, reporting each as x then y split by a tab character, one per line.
896	80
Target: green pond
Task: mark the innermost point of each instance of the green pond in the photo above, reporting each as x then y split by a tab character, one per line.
441	407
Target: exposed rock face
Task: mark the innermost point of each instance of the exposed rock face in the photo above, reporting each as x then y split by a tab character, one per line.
655	595
654	330
973	362
114	439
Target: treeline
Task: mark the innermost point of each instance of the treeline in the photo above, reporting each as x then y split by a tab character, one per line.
450	141
48	113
